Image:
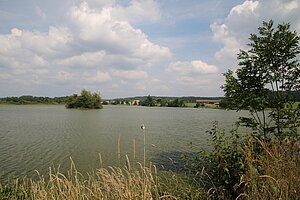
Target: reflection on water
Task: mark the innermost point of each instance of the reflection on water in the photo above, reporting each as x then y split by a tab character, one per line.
36	137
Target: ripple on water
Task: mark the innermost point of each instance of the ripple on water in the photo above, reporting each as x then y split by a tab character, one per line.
36	137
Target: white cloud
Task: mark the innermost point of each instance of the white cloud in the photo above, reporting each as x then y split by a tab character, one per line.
40	71
292	5
4	75
124	82
138	11
130	74
115	85
97	4
100	77
102	30
192	68
85	59
196	74
30	82
188	80
64	76
140	87
97	42
40	13
248	7
233	32
24	51
98	36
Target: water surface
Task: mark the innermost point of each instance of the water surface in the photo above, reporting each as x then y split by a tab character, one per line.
37	137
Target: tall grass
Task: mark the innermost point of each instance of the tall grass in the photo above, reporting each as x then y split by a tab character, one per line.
104	183
274	173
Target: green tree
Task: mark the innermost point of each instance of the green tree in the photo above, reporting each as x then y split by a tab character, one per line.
176	103
85	100
149	101
269	73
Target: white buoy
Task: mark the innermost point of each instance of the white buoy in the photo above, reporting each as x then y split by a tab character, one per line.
143	126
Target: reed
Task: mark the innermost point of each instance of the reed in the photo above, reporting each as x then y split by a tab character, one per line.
119	147
104	183
134	149
274	173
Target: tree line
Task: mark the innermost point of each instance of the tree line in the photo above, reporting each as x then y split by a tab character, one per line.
28	99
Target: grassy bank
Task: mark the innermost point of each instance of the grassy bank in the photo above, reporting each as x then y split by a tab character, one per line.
274	174
104	183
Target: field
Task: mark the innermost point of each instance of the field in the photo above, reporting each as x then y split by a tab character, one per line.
192	105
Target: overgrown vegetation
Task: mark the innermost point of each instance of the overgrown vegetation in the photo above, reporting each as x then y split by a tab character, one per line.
273	173
269	64
105	183
259	167
85	100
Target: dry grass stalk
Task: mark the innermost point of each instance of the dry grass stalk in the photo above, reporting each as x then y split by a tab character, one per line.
134	149
105	183
275	174
119	147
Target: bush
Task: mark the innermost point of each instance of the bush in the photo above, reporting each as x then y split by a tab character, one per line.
86	100
221	168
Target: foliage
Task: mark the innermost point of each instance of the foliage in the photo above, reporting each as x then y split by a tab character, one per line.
274	173
269	73
162	100
223	103
28	99
222	167
198	104
86	100
15	189
176	103
149	101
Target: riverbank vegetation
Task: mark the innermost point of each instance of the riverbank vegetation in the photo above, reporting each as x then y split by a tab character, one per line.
274	173
86	100
28	99
260	164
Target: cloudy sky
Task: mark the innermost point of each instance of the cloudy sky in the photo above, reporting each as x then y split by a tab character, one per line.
124	48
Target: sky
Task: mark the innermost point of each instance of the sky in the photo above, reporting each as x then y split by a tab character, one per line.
123	48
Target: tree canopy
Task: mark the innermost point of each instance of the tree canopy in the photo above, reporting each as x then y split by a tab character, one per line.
149	101
269	73
266	84
85	100
28	99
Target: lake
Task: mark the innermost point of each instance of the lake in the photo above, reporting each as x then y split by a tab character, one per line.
35	137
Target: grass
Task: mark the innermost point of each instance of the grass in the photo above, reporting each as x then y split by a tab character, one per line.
104	183
296	104
274	174
192	105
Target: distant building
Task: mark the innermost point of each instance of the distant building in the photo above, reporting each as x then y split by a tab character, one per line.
214	102
135	102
